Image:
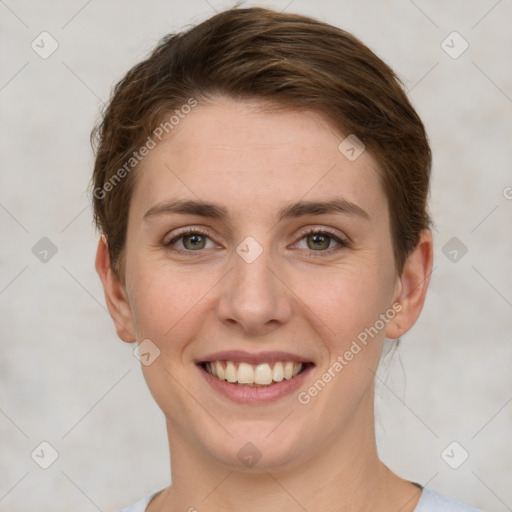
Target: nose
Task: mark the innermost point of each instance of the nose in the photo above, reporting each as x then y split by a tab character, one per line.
254	296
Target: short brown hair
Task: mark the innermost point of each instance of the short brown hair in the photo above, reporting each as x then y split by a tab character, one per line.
292	61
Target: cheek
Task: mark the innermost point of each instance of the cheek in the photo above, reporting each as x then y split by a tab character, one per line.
168	301
169	310
345	300
171	304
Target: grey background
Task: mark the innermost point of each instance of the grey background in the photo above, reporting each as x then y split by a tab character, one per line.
65	377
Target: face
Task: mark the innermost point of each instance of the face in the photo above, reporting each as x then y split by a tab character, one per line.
231	264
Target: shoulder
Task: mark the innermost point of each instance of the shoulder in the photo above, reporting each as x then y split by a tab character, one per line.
141	505
430	501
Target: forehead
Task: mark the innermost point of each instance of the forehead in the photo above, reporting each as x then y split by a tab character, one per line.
238	153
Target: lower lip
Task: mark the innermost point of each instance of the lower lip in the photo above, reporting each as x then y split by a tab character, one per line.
255	395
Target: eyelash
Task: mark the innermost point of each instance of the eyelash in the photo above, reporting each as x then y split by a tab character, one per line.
342	242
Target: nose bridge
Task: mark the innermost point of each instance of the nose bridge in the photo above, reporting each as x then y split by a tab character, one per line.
252	295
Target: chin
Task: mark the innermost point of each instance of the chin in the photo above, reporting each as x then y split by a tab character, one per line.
259	451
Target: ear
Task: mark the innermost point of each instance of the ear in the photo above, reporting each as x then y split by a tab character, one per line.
412	287
115	298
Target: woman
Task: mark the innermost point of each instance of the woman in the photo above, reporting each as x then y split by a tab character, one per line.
261	187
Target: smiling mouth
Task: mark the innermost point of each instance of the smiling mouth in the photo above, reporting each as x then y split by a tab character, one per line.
254	375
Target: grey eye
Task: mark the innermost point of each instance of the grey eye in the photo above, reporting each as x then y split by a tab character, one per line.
194	241
319	241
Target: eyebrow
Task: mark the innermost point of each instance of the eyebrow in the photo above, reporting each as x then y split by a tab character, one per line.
294	210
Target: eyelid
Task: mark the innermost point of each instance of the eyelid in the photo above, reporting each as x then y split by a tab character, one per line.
327	231
186	231
341	239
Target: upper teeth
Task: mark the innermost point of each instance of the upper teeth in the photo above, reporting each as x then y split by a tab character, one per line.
263	373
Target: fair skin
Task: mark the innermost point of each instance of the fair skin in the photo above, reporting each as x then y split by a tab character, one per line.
199	296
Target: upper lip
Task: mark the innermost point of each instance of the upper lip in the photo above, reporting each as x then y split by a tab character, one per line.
241	356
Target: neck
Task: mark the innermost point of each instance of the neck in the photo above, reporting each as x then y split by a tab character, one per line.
345	473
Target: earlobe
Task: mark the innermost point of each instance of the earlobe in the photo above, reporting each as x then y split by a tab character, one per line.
115	298
412	286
